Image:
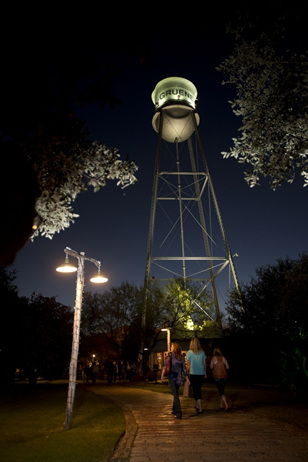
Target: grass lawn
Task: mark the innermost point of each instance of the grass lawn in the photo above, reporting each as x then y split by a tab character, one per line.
31	425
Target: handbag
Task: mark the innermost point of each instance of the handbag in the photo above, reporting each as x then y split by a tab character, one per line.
186	389
167	366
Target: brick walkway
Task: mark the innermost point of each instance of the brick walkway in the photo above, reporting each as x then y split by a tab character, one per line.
153	435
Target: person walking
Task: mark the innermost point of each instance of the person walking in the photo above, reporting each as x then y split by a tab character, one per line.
109	367
178	368
121	371
220	367
94	371
196	366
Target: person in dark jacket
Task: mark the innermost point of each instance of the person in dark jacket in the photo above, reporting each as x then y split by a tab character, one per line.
178	368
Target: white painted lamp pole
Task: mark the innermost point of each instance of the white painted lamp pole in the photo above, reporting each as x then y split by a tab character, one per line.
68	268
167	329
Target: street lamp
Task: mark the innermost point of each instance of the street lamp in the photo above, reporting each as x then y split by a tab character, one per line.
167	329
98	278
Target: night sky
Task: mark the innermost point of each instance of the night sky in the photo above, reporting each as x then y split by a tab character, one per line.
262	226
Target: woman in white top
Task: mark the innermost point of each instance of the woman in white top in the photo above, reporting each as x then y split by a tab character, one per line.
196	366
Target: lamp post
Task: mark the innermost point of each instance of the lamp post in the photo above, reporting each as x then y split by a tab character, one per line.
167	329
68	268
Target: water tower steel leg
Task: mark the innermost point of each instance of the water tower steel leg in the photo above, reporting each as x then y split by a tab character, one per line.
180	212
151	235
153	205
204	230
222	228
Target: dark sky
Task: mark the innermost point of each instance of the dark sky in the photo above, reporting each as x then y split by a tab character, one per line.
262	226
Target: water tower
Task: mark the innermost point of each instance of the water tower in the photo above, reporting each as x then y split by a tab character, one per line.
187	238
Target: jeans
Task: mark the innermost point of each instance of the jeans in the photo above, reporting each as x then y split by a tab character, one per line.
176	407
196	383
220	383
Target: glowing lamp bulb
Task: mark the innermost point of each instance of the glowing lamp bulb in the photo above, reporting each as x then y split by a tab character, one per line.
99	278
67	267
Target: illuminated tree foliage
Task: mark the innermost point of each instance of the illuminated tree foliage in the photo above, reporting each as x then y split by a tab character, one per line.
62	177
189	310
44	90
269	69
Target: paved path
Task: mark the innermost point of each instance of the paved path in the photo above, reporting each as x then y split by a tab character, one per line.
154	435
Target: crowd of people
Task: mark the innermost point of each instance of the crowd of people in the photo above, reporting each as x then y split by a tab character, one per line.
192	368
112	371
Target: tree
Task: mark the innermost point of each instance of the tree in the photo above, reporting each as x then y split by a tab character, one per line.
10	328
35	333
45	343
274	328
269	67
186	308
62	176
112	324
17	202
180	305
43	92
114	317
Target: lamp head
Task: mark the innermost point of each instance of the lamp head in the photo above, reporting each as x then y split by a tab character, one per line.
99	278
67	267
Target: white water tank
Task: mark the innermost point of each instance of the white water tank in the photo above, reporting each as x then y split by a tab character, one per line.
176	97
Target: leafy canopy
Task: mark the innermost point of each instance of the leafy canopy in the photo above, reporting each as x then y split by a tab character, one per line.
269	69
64	176
44	90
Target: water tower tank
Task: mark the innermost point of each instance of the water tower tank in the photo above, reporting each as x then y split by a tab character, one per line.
177	98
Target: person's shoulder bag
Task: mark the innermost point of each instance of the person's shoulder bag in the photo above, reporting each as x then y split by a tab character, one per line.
168	365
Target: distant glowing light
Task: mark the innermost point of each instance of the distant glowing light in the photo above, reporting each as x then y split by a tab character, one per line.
190	324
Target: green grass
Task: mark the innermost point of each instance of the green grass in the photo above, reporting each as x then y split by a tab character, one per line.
31	425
